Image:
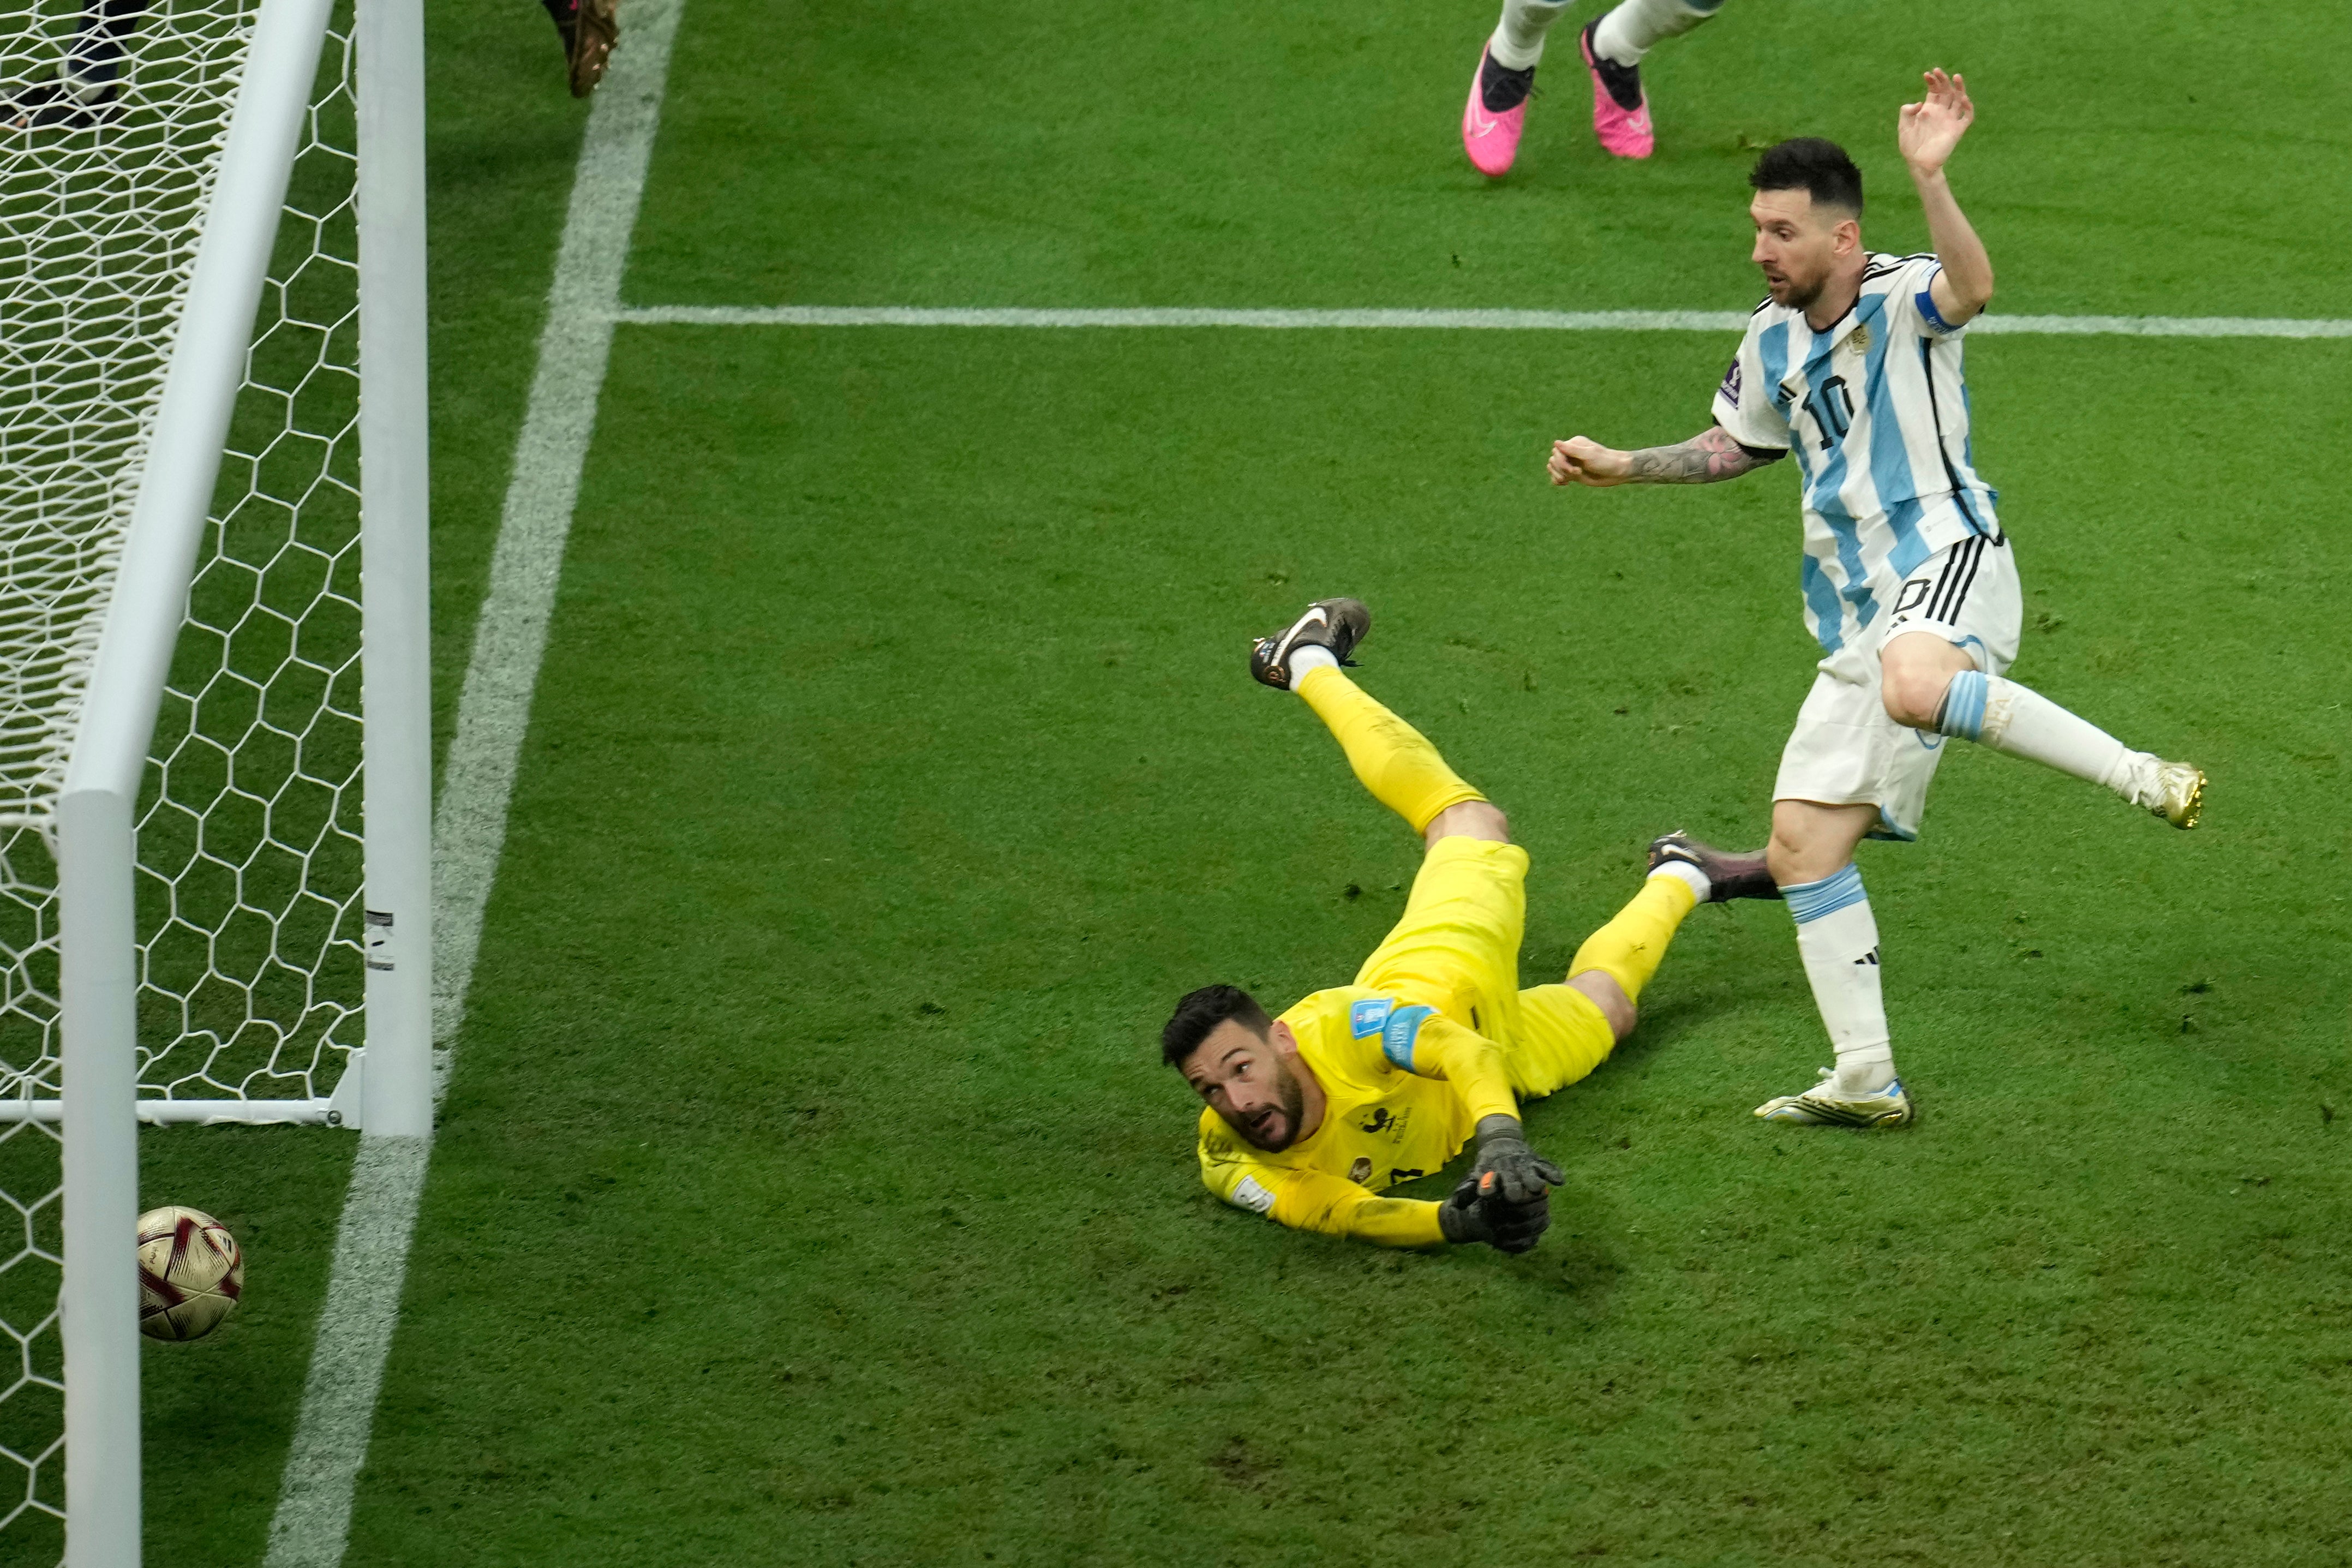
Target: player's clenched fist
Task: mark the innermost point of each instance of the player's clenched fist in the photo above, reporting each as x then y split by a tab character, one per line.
1580	460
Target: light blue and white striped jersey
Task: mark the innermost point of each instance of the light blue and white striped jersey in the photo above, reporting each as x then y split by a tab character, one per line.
1877	413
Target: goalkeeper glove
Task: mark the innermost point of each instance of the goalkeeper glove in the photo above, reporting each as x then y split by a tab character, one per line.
1507	1168
1505	1225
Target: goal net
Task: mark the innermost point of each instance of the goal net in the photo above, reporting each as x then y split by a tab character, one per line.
248	886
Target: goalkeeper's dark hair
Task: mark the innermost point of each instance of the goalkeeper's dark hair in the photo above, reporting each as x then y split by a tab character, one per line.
1814	165
1198	1015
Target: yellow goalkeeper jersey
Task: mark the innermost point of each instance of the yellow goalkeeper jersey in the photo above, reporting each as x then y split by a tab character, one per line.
1404	1087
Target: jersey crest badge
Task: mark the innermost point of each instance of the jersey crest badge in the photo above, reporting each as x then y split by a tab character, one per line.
1362	1170
1861	339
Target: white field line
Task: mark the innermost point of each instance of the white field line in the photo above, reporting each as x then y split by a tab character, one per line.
355	1327
1489	321
312	1524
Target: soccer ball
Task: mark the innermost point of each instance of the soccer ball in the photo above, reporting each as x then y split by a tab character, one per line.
190	1273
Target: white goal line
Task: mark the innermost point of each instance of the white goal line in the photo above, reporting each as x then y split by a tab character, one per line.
1472	321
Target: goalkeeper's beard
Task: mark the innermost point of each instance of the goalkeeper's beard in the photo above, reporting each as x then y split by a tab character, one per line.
1281	1122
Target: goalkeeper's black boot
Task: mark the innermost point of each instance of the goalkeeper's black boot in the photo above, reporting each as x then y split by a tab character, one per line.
1728	875
1335	624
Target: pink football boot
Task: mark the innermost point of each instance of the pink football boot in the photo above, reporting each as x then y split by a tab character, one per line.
1620	110
1492	140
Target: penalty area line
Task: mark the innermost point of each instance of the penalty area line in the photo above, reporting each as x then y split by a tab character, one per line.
313	1524
1442	321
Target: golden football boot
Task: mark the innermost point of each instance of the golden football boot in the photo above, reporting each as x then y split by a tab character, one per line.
1824	1105
2180	793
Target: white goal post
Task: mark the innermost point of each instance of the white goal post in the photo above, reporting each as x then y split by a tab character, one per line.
215	662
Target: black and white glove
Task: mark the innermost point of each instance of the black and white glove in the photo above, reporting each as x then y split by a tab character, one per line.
1471	1215
1507	1168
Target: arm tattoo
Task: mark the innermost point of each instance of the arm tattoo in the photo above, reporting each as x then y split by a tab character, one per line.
1709	455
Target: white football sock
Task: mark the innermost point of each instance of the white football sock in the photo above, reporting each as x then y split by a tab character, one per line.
1626	34
1518	38
1689	873
1837	940
1313	655
2007	717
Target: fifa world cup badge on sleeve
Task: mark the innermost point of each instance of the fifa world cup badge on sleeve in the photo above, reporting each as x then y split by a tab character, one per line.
1731	387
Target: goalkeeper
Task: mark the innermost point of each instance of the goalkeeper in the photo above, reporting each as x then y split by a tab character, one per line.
1313	1114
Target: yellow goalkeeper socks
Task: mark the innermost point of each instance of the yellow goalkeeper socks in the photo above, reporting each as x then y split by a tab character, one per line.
1629	947
1394	761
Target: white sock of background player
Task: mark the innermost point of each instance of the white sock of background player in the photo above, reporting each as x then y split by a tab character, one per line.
2000	714
1626	34
1518	40
1837	937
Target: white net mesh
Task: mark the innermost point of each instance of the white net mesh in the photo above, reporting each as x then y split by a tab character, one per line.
250	859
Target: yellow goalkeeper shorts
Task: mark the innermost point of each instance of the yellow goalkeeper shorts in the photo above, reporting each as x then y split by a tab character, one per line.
1456	947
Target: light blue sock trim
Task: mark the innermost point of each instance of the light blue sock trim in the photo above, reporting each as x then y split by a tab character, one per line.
1809	901
1964	705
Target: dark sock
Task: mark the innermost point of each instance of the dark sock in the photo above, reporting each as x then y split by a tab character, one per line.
1623	82
94	57
1502	90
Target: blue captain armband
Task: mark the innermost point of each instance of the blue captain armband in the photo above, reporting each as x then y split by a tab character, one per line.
1926	304
1398	1034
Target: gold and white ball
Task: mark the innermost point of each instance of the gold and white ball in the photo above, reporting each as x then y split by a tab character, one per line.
190	1273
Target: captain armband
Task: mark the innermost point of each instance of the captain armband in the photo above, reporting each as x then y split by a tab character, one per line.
1400	1033
1397	1027
1925	303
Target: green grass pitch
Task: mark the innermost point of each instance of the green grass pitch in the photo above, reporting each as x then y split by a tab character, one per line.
809	1191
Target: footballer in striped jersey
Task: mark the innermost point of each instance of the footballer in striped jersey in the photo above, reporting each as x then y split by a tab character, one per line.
1909	581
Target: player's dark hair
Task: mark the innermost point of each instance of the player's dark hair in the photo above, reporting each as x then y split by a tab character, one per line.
1199	1014
1814	165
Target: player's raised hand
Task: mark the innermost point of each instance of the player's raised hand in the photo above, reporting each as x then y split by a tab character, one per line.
1580	460
1931	128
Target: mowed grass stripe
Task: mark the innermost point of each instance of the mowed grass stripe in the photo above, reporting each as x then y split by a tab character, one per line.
811	1190
1188	153
1410	320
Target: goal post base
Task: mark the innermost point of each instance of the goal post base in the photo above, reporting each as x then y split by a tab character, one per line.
173	1112
342	1108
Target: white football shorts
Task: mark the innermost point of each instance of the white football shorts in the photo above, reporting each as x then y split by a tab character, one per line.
1845	751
